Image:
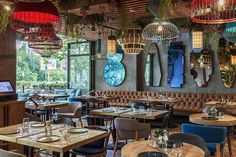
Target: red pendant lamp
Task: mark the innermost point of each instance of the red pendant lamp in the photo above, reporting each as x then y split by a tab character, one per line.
41	18
213	11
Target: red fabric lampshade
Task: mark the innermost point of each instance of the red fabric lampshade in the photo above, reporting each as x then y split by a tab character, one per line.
213	11
35	17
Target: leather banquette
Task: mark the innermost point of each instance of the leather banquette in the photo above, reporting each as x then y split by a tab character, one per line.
190	102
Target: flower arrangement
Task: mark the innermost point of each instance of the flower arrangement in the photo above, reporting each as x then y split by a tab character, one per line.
162	137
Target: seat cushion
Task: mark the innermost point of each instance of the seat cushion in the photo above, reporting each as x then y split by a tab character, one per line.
212	147
88	150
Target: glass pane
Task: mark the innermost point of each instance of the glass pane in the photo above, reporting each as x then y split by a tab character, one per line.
79	48
79	73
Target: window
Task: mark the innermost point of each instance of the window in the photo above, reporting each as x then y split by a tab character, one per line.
79	66
197	40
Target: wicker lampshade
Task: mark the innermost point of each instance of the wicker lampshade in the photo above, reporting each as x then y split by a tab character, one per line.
230	32
40	17
111	44
132	42
52	43
160	30
233	59
213	11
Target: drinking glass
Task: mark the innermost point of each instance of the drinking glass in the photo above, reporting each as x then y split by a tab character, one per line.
26	125
149	111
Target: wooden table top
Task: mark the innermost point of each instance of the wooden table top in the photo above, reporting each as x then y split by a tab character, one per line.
219	103
50	105
73	141
135	148
53	96
227	120
123	112
15	136
101	98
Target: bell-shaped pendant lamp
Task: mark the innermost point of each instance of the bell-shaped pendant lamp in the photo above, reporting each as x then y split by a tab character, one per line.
40	17
111	44
132	41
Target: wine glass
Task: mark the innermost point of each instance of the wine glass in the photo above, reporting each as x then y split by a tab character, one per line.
26	125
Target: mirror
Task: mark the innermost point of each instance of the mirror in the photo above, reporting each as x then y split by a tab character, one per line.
176	64
153	66
227	71
201	66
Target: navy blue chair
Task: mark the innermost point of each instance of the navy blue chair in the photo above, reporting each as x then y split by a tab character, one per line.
212	135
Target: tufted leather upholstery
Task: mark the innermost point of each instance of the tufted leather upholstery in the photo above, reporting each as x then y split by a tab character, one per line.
191	102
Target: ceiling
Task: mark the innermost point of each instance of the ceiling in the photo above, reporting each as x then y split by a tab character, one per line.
135	9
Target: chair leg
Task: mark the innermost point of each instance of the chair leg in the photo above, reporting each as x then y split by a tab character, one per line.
115	147
218	153
81	123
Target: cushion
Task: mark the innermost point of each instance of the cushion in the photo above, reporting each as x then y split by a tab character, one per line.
71	92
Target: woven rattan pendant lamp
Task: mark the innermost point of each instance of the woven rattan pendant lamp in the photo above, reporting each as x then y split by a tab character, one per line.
213	11
159	29
230	32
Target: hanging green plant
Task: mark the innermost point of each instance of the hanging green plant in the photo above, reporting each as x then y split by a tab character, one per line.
166	9
122	15
4	18
83	5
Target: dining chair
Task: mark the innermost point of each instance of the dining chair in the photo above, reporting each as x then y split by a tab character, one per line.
214	136
4	153
130	129
191	139
94	149
138	105
73	110
162	124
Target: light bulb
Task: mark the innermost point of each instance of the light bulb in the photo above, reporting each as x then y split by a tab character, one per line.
159	28
221	2
7	7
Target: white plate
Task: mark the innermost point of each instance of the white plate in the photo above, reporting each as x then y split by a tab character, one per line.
78	130
47	139
37	125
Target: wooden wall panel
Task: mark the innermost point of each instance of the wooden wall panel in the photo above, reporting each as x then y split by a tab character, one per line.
8	56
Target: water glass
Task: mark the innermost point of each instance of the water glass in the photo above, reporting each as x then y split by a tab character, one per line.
149	111
26	125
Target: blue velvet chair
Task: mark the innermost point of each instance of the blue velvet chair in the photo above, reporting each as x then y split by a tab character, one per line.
73	99
212	135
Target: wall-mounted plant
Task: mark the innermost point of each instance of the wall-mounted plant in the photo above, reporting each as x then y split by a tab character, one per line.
4	18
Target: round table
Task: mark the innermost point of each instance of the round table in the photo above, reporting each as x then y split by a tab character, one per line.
135	148
226	121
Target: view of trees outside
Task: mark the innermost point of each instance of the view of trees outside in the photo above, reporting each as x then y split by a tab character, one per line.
34	71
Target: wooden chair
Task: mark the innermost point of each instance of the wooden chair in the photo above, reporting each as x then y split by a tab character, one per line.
95	149
130	129
4	153
73	110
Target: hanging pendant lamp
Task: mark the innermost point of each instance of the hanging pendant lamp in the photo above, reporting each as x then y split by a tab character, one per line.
213	11
132	42
52	43
160	30
40	18
111	44
230	32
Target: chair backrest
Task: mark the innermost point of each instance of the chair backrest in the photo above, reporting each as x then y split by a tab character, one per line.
159	106
4	153
191	139
165	121
76	108
101	143
131	129
211	134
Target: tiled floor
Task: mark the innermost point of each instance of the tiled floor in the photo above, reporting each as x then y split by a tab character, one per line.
118	154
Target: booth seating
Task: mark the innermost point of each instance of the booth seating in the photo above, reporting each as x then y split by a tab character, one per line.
190	102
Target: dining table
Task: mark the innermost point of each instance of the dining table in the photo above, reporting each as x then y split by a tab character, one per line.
134	149
224	121
48	106
53	97
104	99
58	147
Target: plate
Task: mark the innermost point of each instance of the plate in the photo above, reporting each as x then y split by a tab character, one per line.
152	154
78	130
37	125
47	139
210	118
9	132
108	110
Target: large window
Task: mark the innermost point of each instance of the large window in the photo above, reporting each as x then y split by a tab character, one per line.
79	66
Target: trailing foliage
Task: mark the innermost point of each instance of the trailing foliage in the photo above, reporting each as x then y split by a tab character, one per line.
4	18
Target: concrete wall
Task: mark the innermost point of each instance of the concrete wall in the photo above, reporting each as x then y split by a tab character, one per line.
132	82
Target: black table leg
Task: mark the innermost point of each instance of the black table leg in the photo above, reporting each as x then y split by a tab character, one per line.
66	154
29	151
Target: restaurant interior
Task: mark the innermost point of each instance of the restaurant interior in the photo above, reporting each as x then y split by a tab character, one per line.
117	78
